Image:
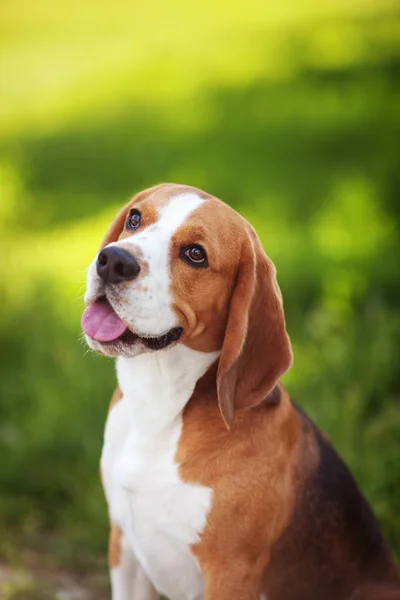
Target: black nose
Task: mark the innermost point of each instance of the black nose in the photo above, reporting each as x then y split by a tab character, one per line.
115	265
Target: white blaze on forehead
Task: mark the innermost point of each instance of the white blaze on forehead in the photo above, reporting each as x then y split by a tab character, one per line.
177	210
145	304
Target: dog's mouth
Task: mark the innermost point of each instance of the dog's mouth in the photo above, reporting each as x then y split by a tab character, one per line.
102	324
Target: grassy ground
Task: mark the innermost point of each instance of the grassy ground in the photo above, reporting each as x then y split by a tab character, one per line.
51	584
289	114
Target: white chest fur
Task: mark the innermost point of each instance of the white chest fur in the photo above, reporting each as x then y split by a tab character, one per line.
159	514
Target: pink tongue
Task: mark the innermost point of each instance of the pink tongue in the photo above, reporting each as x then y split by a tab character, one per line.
101	323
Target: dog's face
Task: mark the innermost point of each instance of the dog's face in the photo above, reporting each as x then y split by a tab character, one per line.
167	274
180	266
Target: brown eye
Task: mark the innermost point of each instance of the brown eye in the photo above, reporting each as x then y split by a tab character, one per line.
133	221
196	255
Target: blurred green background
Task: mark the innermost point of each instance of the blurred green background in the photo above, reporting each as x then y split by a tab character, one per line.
290	112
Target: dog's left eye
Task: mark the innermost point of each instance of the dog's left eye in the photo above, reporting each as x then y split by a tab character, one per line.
133	221
196	255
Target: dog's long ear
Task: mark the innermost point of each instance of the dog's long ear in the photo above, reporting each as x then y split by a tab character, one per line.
256	349
116	227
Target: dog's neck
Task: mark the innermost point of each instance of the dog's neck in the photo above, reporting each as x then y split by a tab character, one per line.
157	385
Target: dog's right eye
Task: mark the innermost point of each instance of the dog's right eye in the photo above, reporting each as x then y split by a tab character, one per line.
133	221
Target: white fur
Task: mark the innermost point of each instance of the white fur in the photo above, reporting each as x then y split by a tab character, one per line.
160	515
128	579
145	304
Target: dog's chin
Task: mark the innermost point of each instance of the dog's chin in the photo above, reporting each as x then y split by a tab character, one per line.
130	344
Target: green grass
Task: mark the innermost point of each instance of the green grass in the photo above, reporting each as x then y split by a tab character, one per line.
290	115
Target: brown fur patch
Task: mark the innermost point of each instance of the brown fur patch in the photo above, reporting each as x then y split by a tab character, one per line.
201	295
376	593
234	304
114	546
251	472
116	397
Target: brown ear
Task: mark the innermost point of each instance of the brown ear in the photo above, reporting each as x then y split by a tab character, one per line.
256	349
116	227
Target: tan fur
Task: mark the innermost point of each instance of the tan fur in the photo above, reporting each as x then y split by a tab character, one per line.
256	349
114	546
253	483
201	296
116	397
235	304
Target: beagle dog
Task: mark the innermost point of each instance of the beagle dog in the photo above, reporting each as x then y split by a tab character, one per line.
218	486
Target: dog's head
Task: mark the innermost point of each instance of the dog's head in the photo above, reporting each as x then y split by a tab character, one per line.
179	266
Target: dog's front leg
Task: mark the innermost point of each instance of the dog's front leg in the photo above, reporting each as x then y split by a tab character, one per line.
128	580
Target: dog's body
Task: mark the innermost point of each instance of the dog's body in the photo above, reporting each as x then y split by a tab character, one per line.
249	506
